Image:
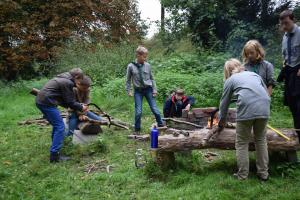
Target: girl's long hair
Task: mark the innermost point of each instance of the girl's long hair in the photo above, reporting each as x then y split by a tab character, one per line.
253	44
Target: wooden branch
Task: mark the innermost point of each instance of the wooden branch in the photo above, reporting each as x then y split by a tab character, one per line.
183	122
224	140
139	137
106	123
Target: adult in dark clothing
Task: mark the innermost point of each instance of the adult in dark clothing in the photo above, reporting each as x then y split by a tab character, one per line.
59	91
290	73
176	103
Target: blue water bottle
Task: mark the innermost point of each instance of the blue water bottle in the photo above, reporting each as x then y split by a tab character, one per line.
154	138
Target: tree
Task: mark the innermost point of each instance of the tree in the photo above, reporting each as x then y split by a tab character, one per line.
213	21
33	30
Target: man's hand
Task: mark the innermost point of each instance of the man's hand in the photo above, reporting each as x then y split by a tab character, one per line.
298	74
154	94
130	94
83	118
85	108
221	125
188	107
270	90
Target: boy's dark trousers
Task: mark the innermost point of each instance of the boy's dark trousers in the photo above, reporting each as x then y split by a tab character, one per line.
295	109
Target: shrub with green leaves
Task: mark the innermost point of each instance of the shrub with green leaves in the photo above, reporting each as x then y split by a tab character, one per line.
192	63
101	63
205	87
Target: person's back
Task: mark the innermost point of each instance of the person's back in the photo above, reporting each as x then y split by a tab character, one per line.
57	91
253	110
253	100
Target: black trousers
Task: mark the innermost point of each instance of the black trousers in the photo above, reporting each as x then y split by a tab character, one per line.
295	109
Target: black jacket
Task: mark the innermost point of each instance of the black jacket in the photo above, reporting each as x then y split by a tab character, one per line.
59	91
291	83
173	108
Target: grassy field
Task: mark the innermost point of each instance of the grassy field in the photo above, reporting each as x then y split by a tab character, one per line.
25	172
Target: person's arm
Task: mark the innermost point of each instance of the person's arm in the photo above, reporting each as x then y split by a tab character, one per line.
153	83
225	101
68	97
167	108
270	78
191	101
128	80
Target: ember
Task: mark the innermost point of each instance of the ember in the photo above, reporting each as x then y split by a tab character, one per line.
212	122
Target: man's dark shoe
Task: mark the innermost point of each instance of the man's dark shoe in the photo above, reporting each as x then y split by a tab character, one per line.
137	133
263	179
56	157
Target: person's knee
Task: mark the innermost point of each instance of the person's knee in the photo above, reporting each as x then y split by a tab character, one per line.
138	113
59	127
155	111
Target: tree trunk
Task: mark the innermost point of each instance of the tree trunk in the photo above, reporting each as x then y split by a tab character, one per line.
162	25
225	140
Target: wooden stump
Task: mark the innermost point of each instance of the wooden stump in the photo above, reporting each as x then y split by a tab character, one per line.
166	160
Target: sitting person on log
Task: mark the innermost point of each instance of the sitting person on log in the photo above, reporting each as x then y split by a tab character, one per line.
59	91
178	102
253	111
82	95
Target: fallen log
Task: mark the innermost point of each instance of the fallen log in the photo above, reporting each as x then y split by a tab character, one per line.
225	140
204	139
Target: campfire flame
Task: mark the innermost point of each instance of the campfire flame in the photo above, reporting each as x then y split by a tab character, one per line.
214	123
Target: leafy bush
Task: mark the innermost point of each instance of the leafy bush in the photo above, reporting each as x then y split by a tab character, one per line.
101	63
192	63
205	87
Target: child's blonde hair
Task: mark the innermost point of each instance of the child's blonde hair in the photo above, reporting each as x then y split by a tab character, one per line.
141	50
231	67
253	44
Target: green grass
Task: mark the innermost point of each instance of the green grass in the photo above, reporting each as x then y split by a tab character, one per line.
26	174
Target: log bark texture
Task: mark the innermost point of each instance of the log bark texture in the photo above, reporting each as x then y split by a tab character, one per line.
225	140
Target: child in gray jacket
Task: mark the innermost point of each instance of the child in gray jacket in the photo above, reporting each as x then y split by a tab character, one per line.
253	110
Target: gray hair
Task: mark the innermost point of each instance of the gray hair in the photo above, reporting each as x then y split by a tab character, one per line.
76	73
141	50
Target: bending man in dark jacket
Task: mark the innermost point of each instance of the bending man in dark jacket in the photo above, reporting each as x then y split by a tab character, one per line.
59	91
176	103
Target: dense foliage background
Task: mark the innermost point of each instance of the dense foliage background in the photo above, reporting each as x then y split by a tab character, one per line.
34	31
40	38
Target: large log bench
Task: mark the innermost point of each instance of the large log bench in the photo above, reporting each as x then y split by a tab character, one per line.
197	139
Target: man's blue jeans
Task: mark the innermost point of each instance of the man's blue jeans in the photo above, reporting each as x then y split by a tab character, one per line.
52	114
138	99
73	121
